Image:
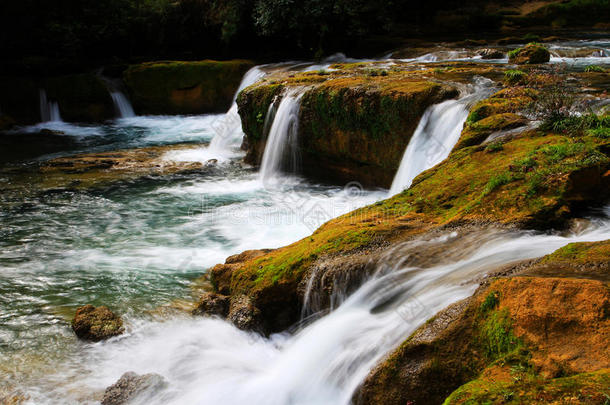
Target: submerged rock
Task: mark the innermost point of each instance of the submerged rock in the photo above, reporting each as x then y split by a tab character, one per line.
131	386
96	323
529	55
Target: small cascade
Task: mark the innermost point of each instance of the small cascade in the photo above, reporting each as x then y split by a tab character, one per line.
228	128
281	151
122	105
437	133
49	110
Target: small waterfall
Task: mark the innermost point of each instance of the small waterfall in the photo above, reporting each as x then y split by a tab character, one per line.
49	110
437	133
281	151
228	128
122	105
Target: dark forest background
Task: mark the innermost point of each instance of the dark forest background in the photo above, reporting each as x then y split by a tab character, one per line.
89	31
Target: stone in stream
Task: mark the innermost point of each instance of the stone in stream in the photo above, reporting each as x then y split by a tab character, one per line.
96	323
490	53
131	386
530	54
212	304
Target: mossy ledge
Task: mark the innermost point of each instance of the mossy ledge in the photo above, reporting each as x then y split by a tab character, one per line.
531	179
178	87
355	120
521	339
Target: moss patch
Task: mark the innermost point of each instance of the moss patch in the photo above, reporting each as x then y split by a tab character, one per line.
586	388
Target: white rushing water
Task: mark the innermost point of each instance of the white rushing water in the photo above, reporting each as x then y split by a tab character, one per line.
122	105
208	361
49	110
228	128
281	149
435	136
140	245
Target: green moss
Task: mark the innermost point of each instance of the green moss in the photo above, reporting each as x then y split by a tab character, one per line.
514	76
491	302
497	338
595	69
586	388
532	53
476	131
581	253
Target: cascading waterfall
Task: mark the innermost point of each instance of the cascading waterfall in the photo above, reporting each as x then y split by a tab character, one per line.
281	150
208	361
228	128
49	110
122	105
437	133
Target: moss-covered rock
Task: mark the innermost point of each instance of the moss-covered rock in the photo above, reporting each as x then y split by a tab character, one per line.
355	121
532	179
176	87
531	54
96	323
527	330
517	387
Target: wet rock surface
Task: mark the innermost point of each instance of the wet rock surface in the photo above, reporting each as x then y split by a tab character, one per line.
132	387
96	323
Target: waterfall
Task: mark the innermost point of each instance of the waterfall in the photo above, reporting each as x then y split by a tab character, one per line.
208	361
435	136
49	110
281	150
122	105
228	128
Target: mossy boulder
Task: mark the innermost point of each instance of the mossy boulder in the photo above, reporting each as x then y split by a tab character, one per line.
531	54
81	97
96	323
176	87
533	330
355	122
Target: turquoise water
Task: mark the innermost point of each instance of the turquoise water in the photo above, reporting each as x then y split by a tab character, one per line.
137	245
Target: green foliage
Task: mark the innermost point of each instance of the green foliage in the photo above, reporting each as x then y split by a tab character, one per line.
497	338
495	147
496	181
514	76
491	302
594	69
578	125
